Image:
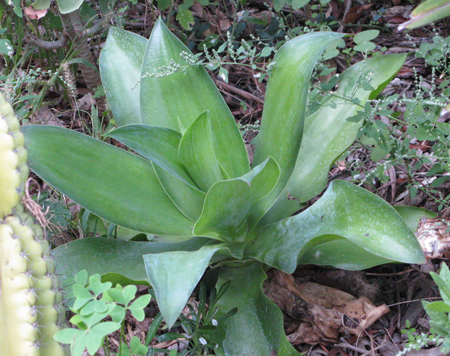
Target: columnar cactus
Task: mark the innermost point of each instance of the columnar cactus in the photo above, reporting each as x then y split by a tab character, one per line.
29	295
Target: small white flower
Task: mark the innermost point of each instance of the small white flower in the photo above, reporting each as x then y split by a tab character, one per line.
202	341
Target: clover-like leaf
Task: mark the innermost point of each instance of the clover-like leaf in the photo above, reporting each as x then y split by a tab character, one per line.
96	286
136	347
96	334
137	307
94	306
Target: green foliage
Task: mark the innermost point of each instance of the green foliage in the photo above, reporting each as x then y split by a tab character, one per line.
438	313
395	140
93	301
427	12
192	185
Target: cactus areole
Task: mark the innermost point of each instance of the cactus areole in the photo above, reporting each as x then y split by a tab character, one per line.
29	296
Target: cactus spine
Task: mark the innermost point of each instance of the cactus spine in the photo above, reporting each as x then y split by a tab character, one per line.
29	295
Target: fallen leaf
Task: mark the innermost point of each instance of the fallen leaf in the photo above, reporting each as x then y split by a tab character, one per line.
34	14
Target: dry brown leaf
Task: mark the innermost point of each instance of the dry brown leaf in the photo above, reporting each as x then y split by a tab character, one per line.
325	312
34	14
433	237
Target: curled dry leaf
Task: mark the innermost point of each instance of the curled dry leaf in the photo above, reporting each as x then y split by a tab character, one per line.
434	236
324	312
34	14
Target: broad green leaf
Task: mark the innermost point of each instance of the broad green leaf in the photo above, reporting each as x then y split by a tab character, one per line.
196	151
187	199
66	6
115	260
120	68
327	133
170	98
345	210
174	275
257	328
112	183
158	144
285	102
343	254
41	4
427	12
439	307
442	280
411	215
228	203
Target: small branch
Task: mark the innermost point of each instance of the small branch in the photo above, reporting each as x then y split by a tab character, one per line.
100	26
243	93
47	45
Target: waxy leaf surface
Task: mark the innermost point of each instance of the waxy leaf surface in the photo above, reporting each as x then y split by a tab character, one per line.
174	275
196	151
157	144
343	254
228	203
115	260
112	183
120	69
285	104
344	210
327	133
170	99
160	145
411	215
257	328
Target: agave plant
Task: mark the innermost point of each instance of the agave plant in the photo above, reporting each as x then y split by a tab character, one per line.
190	184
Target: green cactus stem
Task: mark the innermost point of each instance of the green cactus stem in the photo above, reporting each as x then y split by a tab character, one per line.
29	295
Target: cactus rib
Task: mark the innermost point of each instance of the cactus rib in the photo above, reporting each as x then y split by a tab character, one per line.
29	295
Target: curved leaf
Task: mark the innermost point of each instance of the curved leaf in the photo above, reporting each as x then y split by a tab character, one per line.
66	6
257	328
411	215
158	144
120	69
112	183
328	133
343	254
427	12
187	199
228	203
41	4
285	102
194	93
116	261
174	275
196	151
344	210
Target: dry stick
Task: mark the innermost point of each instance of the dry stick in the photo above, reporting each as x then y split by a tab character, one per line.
47	45
243	93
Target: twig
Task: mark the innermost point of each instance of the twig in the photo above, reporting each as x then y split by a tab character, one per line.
243	93
47	45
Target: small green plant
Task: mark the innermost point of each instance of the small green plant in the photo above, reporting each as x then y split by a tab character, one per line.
93	301
439	314
194	190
